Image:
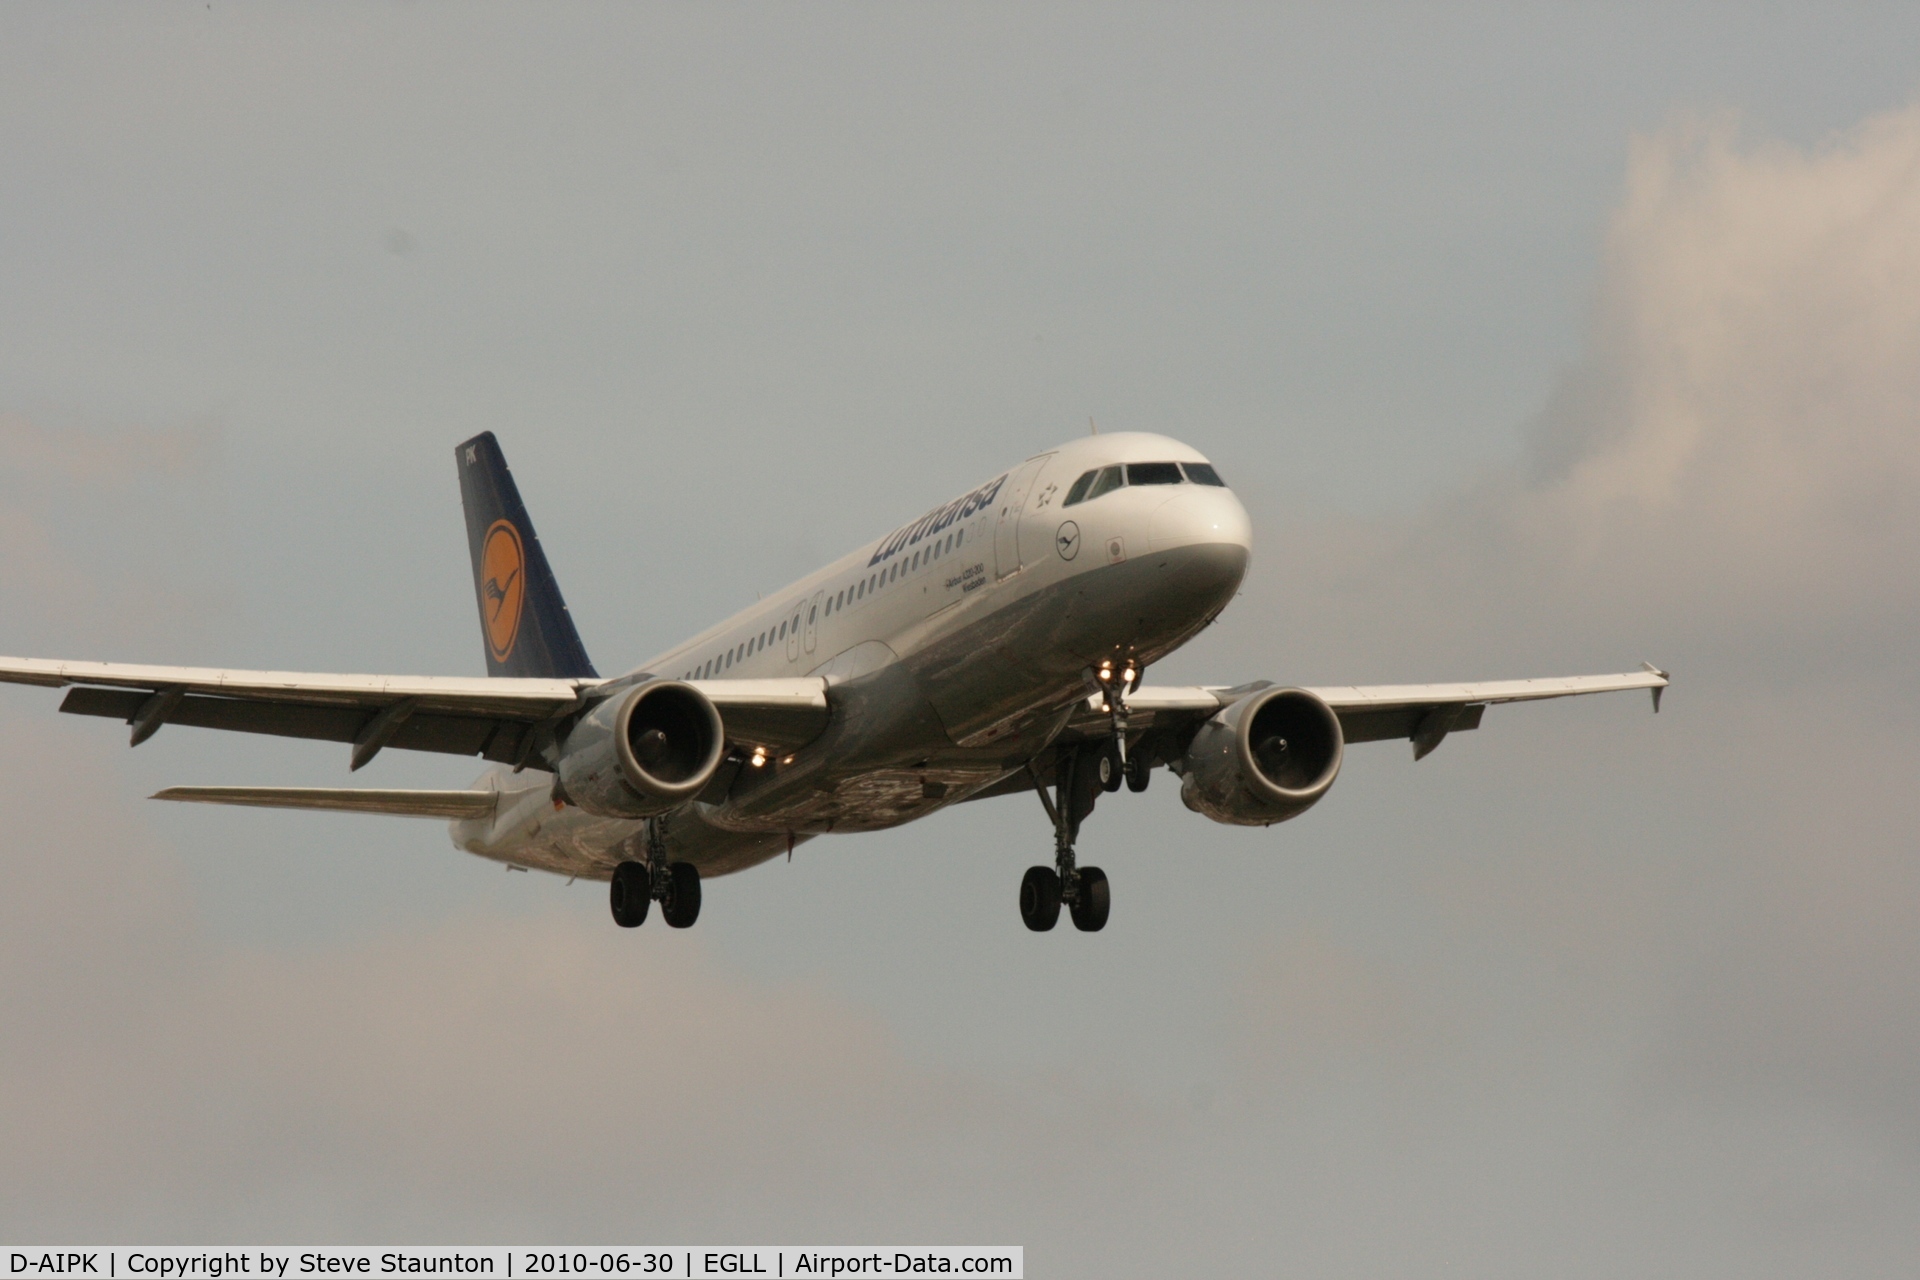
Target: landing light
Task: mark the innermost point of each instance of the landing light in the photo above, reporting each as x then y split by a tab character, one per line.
759	757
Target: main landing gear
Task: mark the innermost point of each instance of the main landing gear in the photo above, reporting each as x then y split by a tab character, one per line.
1078	778
637	885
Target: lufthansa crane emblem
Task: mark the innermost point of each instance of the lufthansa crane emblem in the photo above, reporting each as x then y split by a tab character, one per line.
503	587
1067	540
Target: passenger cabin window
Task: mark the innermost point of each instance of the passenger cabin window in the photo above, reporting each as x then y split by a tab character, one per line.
1203	473
1153	473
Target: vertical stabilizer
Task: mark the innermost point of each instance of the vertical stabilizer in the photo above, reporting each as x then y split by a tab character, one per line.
523	620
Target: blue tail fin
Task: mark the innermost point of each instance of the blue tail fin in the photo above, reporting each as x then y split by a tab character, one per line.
525	623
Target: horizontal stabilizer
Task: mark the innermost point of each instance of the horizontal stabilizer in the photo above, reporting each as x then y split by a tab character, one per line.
408	804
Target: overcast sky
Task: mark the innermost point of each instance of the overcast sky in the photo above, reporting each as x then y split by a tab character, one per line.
1536	342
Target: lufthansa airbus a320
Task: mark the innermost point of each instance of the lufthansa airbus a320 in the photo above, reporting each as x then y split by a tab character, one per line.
995	645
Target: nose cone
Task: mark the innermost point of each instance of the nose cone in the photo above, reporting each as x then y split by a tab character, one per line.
1200	516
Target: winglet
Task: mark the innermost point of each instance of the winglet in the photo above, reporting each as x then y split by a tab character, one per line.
1659	688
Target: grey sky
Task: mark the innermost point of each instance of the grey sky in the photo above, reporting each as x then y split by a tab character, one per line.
1535	341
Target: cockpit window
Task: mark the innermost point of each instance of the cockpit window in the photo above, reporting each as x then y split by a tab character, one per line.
1153	473
1110	478
1093	484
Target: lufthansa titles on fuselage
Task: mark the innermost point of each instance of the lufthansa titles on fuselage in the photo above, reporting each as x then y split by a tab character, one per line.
937	520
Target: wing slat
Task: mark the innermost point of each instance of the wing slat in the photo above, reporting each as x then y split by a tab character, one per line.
1368	713
406	804
525	698
1373	697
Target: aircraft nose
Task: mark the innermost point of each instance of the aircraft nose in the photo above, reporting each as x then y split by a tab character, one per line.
1199	516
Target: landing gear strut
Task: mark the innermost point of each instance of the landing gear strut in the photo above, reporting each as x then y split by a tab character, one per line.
1077	780
637	885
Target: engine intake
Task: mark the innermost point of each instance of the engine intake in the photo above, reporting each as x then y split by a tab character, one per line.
643	752
1268	757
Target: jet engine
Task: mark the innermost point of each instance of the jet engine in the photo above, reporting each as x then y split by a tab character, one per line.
1265	759
642	752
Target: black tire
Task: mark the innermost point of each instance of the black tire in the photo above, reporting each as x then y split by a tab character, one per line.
681	907
1095	900
1139	770
1040	898
631	894
1110	769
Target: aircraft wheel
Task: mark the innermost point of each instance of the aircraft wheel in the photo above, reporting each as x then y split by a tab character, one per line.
1090	908
631	894
1040	898
681	907
1139	771
1109	769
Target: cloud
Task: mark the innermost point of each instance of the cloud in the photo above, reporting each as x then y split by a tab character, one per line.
1719	917
1734	461
1734	470
479	1077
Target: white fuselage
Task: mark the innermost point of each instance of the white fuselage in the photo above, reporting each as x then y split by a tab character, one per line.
952	649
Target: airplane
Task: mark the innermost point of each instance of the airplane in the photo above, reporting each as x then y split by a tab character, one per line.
997	644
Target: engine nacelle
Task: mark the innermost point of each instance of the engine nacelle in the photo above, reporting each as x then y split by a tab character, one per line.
1265	759
643	752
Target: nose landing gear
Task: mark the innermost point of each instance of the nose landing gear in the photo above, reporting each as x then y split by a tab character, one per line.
1077	780
637	885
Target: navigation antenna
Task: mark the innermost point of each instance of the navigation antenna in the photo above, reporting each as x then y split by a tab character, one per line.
1093	428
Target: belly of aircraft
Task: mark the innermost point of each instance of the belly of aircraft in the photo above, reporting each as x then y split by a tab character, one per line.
986	677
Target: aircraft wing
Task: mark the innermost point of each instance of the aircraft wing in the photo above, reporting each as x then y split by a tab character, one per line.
1422	713
407	804
499	718
481	716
